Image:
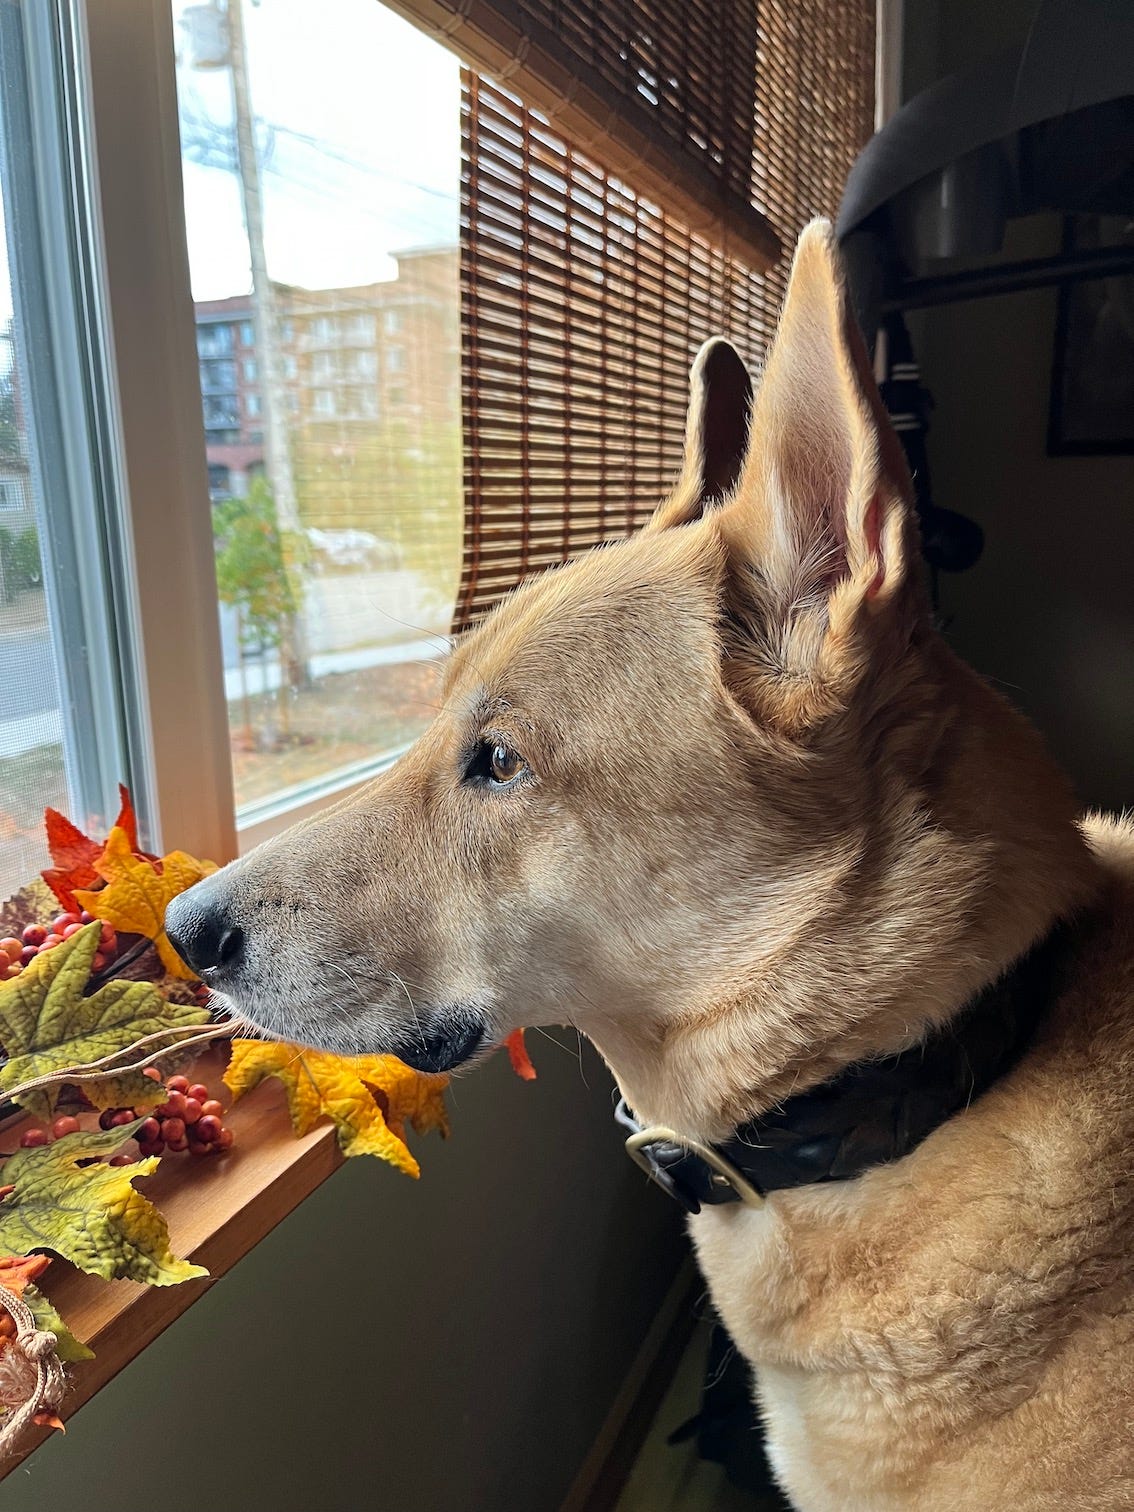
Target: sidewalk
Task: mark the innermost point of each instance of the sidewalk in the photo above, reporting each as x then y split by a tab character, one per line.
25	615
265	677
20	735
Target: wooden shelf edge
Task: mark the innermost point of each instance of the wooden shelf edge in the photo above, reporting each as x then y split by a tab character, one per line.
217	1208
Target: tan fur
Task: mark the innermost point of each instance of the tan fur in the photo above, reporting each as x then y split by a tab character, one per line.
769	825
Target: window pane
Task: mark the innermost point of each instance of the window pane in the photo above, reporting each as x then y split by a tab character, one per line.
31	728
321	149
71	725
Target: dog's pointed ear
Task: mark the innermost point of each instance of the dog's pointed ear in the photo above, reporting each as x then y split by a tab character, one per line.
820	539
716	434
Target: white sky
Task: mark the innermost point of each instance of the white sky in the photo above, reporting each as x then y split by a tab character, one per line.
361	117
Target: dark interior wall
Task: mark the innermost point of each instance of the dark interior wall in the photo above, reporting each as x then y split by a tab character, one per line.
1048	612
448	1345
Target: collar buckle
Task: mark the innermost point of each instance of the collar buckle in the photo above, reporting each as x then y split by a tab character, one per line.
669	1159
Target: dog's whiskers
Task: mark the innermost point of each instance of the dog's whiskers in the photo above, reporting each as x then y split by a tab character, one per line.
394	977
575	1054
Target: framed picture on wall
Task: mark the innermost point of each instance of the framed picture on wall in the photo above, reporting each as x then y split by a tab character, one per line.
1092	379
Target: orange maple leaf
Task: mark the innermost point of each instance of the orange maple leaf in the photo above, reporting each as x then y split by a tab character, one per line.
137	893
518	1055
75	855
18	1271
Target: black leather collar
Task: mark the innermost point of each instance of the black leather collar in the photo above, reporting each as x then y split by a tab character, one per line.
872	1112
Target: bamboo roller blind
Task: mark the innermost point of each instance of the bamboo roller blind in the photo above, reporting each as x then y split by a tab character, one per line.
661	92
584	299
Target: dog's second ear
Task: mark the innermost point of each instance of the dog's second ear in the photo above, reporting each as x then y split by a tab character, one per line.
820	540
716	434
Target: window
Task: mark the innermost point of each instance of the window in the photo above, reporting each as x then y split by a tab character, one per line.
376	200
361	329
214	339
13	500
220	481
220	412
218	377
328	667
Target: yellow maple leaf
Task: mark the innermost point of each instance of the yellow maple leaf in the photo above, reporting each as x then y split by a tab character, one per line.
137	895
369	1098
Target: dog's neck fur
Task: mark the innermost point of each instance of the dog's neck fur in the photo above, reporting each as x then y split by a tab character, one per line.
966	865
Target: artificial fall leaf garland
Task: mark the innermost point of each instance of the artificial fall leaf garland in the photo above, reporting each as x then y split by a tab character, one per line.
86	1002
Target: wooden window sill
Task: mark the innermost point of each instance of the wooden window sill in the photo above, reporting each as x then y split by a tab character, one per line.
217	1208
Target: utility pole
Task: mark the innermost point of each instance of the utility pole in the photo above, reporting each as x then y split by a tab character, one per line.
216	38
277	452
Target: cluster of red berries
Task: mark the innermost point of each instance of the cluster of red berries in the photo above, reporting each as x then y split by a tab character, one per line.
15	953
189	1119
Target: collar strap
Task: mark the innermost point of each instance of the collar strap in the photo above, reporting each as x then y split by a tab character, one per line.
872	1112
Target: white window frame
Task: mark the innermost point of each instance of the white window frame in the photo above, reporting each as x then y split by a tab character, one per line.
136	165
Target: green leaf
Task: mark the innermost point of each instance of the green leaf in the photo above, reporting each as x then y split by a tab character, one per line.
47	1025
47	1320
91	1215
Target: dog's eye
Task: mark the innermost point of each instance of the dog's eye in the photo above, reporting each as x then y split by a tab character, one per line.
495	764
504	764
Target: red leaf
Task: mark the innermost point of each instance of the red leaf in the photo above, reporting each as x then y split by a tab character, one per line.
68	845
518	1055
75	854
127	820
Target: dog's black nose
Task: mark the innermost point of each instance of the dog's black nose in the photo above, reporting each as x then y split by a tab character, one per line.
201	932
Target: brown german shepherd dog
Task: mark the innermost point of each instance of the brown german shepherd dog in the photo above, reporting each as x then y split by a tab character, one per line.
722	796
